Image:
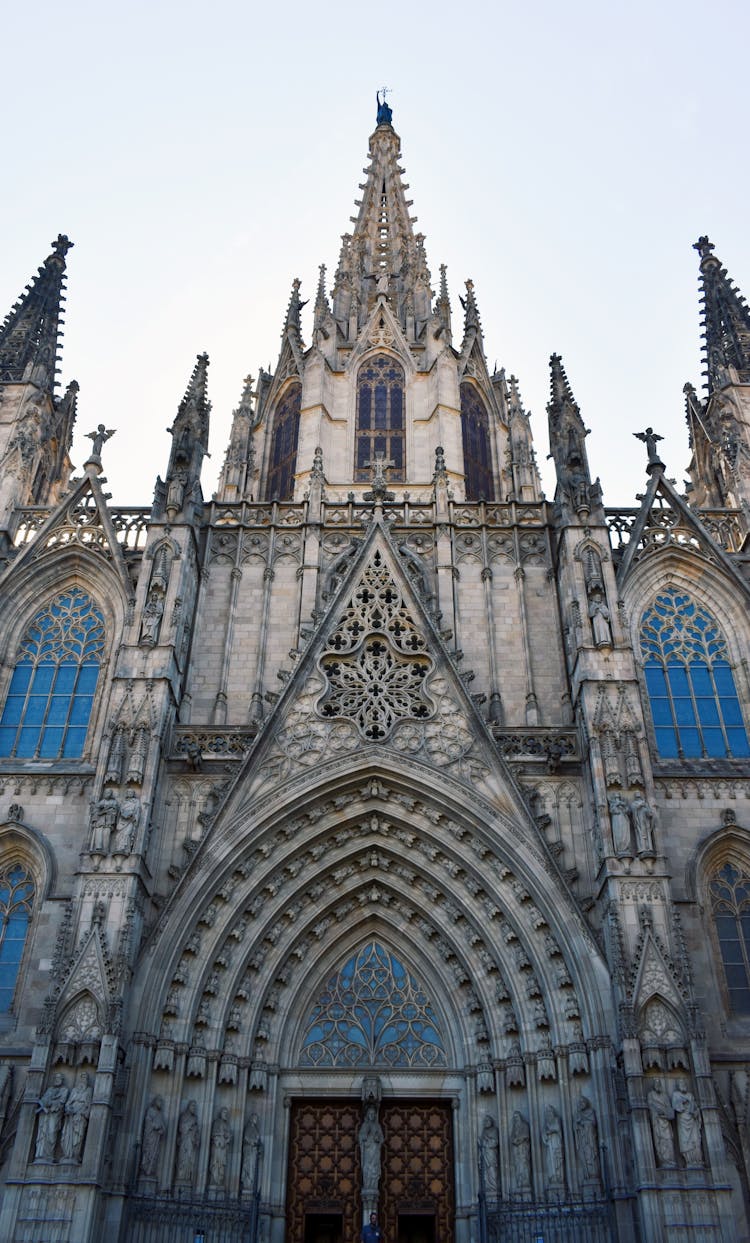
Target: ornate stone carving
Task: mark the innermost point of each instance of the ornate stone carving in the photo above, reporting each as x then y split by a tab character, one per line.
661	1113
50	1112
221	1140
586	1132
520	1153
489	1149
188	1143
154	1129
552	1139
689	1124
76	1118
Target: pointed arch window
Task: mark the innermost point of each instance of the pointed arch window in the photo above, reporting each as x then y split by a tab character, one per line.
16	901
282	462
51	694
372	1013
475	434
690	684
380	418
730	906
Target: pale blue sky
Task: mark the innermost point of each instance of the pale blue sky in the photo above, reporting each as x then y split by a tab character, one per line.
565	156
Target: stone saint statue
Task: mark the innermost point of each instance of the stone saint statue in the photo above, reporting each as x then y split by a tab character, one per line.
520	1153
103	821
50	1111
76	1118
250	1152
489	1149
152	615
688	1124
370	1143
620	821
127	824
221	1138
661	1114
644	820
188	1142
552	1138
154	1129
599	614
587	1138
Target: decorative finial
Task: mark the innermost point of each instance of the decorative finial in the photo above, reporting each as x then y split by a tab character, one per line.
650	439
704	247
385	114
98	438
379	491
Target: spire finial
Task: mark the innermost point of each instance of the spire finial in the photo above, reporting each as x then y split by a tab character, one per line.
704	247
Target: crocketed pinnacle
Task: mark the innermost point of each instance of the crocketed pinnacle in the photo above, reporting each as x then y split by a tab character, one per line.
30	336
567	437
293	311
195	401
322	308
472	322
726	323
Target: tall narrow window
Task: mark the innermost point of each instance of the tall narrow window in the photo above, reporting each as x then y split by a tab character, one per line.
16	899
690	683
48	706
730	904
283	460
475	433
380	418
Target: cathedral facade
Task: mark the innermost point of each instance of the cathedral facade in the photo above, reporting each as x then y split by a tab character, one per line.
375	834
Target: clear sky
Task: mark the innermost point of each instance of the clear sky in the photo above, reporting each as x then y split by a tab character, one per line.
565	156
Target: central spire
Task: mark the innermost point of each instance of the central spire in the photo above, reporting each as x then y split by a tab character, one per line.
382	257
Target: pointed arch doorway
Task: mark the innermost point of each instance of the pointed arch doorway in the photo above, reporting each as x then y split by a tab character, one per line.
372	1017
324	1178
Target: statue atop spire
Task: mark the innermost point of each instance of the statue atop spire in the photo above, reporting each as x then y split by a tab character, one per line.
385	114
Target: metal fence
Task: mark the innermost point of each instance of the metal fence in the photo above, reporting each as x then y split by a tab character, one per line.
574	1221
190	1219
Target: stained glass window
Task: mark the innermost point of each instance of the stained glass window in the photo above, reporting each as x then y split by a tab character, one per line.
372	1013
380	418
48	706
475	433
694	704
730	903
283	460
16	899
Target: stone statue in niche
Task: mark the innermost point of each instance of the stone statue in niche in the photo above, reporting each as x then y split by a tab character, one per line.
76	1118
127	824
176	492
152	614
599	616
489	1150
587	1138
188	1142
154	1128
221	1139
115	757
644	821
661	1114
688	1124
520	1153
103	820
370	1145
619	816
50	1110
552	1138
250	1153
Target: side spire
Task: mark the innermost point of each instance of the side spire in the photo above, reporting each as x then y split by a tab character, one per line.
238	471
726	323
567	438
30	336
189	446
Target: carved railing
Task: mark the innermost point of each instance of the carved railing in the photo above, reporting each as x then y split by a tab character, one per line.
537	743
666	526
131	525
195	744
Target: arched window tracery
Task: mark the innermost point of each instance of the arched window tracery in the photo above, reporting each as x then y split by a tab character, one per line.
380	418
48	706
282	462
729	892
692	694
17	892
475	434
373	1013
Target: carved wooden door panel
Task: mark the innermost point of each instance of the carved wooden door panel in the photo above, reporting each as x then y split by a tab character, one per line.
324	1178
417	1173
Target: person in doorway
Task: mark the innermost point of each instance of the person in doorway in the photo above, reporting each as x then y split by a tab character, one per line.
371	1232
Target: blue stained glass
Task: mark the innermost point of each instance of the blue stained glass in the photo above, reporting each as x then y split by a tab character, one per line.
62	646
381	404
380	418
283	453
475	434
689	681
372	1013
16	897
365	398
